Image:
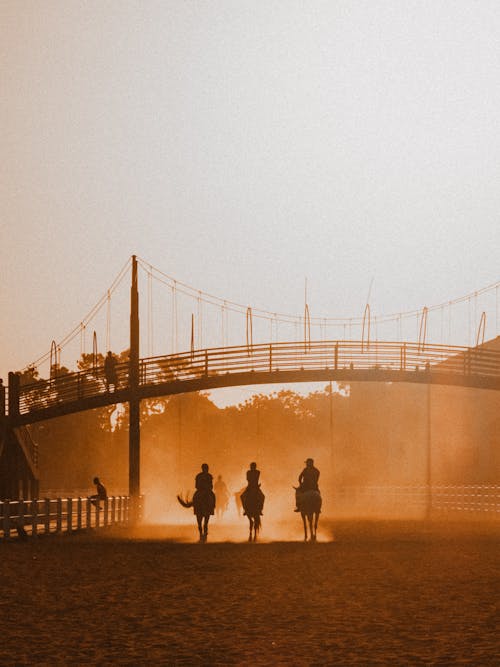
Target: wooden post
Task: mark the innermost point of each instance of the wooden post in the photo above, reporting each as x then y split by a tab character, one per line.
88	513
79	513
134	403
14	388
97	506
106	512
47	515
58	515
6	519
20	513
2	399
113	510
34	518
429	454
69	520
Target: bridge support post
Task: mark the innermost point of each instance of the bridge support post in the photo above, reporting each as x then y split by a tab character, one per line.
428	511
134	404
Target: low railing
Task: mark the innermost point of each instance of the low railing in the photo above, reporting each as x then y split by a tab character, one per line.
57	515
480	500
400	359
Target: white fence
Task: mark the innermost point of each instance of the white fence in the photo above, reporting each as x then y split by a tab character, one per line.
480	501
58	515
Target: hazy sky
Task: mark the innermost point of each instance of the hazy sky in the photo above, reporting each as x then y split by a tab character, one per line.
241	146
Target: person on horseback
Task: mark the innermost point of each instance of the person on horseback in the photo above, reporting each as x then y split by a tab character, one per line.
253	489
308	479
204	486
221	496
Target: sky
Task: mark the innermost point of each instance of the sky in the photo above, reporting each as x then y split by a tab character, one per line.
243	148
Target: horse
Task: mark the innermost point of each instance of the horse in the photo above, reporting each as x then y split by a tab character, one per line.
203	504
309	505
252	501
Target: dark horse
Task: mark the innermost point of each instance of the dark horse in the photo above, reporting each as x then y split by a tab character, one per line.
203	504
252	501
309	504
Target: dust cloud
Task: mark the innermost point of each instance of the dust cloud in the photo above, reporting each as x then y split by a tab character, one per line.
379	447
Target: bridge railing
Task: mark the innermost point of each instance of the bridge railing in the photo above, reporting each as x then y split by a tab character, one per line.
264	358
57	515
319	355
69	388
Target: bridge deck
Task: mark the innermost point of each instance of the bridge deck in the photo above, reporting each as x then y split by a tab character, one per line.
343	361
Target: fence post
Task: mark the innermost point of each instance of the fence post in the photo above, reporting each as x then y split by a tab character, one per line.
47	515
113	509
34	518
69	520
20	517
59	515
97	507
6	519
270	357
206	362
336	357
106	512
79	513
89	516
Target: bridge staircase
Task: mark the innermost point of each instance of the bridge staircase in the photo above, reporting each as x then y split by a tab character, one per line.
19	474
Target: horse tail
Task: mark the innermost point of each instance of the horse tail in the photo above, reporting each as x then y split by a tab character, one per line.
184	503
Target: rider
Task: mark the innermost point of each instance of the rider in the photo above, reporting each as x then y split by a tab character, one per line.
204	482
221	494
308	479
253	487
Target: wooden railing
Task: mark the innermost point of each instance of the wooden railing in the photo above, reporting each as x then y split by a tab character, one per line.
56	515
399	361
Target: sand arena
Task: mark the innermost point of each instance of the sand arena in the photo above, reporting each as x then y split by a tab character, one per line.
365	593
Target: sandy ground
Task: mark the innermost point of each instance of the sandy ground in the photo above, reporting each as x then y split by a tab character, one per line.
378	594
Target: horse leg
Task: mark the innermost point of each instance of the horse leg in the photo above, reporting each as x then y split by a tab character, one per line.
205	528
200	531
250	521
305	527
316	519
311	528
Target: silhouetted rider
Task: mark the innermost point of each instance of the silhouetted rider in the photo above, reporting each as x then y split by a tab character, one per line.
308	478
204	480
253	489
253	477
204	489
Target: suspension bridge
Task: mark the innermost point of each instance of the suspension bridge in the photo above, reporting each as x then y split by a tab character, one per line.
310	354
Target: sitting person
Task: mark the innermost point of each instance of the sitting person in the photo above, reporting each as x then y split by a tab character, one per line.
100	495
253	489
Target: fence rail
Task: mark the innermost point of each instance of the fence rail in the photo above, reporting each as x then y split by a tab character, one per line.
58	515
401	359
